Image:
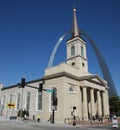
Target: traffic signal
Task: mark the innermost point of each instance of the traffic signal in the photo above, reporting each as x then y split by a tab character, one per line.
54	97
74	108
55	101
40	87
22	82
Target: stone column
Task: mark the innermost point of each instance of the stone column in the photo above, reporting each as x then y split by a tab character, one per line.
85	107
105	103
80	106
92	102
99	107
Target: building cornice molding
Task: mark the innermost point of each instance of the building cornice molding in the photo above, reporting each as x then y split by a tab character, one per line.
82	78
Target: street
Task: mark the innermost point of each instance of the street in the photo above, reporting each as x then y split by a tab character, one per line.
27	125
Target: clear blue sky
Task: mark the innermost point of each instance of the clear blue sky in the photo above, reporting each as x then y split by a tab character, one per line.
29	30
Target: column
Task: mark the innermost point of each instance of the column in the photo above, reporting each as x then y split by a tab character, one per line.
80	106
85	107
92	102
99	103
105	104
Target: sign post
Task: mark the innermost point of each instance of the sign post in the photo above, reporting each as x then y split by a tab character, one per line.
11	105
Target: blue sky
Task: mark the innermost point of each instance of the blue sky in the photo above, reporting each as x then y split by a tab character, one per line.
29	30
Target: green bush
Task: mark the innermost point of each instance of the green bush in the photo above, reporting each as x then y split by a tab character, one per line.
22	113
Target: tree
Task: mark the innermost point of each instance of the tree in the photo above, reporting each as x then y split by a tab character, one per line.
114	103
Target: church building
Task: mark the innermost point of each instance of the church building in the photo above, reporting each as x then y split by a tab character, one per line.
77	92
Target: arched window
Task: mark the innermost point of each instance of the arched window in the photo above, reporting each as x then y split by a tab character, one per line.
82	51
28	101
18	101
72	50
39	101
72	89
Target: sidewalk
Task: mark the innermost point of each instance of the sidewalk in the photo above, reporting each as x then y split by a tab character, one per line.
56	124
96	123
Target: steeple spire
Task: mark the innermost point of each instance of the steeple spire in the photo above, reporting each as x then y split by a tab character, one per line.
75	29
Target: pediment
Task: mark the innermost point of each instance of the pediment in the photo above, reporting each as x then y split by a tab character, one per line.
94	79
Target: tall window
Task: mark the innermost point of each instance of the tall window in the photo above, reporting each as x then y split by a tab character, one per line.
72	50
3	102
39	101
18	101
28	101
10	99
82	51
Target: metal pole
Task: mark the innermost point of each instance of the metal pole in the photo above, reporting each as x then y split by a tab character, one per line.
53	115
53	108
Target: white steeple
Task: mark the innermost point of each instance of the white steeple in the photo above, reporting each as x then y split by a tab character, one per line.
76	49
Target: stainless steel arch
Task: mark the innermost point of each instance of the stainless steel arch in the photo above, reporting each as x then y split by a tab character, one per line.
103	65
52	56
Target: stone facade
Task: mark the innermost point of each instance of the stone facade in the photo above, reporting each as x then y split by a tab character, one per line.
89	94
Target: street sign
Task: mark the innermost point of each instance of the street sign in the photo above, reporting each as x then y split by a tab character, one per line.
49	90
53	107
11	105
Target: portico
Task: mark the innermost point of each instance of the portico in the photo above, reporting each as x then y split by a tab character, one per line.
93	102
94	98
